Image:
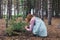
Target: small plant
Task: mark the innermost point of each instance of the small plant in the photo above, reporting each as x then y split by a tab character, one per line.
9	31
15	26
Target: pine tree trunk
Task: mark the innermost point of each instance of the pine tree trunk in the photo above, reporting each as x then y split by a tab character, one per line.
59	7
46	13
17	6
42	10
57	11
0	9
29	6
49	11
9	9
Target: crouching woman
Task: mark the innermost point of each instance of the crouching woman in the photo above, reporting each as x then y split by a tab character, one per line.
36	26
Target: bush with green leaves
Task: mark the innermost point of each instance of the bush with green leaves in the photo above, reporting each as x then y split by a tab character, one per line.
16	26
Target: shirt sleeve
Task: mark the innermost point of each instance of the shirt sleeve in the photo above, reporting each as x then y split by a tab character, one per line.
31	24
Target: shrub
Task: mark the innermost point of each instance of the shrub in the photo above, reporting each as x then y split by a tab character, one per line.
15	26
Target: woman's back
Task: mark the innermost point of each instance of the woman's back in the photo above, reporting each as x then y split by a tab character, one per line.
39	27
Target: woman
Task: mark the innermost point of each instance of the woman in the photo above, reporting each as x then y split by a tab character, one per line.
36	26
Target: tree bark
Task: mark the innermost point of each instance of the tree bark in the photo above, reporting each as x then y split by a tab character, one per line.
49	11
0	9
17	6
56	9
9	9
28	6
42	10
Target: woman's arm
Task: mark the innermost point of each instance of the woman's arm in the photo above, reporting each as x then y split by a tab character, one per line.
31	25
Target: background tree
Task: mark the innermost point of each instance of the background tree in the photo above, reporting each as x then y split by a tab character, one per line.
0	9
56	8
42	9
49	11
9	8
29	6
17	6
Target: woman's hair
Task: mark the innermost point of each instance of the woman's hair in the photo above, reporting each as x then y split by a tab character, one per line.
29	16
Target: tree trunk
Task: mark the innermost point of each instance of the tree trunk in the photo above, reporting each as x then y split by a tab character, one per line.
17	6
56	10
56	7
46	13
59	7
42	10
45	4
49	11
0	9
53	6
28	6
9	9
15	9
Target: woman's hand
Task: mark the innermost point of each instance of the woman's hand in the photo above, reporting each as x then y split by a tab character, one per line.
26	27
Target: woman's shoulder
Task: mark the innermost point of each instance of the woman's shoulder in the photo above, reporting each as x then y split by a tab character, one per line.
33	18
